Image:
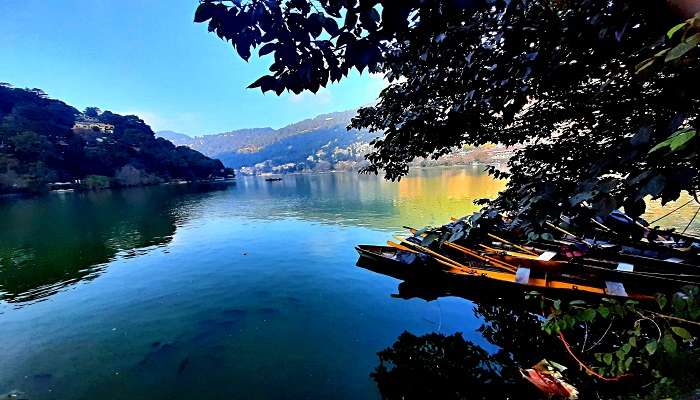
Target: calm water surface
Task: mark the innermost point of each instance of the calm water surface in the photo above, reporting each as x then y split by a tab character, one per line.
247	291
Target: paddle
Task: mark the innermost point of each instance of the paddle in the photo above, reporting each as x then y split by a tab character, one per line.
400	247
492	261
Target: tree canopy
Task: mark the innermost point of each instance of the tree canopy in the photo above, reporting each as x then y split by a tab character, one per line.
40	144
601	96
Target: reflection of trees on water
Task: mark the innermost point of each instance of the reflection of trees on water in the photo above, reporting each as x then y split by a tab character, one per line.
449	367
50	242
435	366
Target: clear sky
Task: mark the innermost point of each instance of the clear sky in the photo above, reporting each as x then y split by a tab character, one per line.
147	57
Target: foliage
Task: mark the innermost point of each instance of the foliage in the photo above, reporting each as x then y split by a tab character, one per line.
38	146
129	175
628	338
96	182
556	77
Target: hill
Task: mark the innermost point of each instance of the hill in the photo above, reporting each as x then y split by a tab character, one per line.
318	144
178	139
44	141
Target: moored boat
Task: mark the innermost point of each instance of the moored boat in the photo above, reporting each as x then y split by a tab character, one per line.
418	265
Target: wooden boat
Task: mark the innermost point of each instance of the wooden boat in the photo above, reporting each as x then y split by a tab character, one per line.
434	266
664	275
606	269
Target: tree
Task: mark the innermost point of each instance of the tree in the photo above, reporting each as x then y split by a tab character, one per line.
555	77
92	112
38	146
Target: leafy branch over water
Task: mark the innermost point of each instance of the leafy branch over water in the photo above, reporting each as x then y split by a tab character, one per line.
558	78
615	340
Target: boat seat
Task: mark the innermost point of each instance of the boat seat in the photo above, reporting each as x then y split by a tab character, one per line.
522	275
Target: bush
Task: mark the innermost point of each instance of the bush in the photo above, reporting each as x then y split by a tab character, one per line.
96	182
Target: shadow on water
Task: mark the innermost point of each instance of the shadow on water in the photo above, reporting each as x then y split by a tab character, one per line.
47	243
441	366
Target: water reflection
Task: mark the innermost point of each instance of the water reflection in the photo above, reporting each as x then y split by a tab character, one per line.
440	366
679	219
50	242
426	196
247	292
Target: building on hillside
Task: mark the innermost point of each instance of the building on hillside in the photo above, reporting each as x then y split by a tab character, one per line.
92	124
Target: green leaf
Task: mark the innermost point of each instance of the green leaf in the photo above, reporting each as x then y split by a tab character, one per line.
676	141
204	12
607	358
675	29
662	301
650	347
682	139
693	40
577	303
669	343
633	341
620	354
626	348
557	304
588	314
603	311
628	363
547	236
683	47
562	324
681	332
661	53
644	65
679	303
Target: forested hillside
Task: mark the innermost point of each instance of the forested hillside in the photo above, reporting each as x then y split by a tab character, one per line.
41	144
317	144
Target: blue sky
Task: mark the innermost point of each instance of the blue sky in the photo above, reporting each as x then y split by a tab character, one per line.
147	57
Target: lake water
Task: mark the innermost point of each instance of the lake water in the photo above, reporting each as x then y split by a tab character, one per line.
248	290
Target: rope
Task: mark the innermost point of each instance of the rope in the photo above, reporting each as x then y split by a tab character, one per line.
670	212
586	367
691	221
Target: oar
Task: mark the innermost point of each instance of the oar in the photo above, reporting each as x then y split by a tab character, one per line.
605	228
564	231
512	244
510	253
432	253
492	261
400	247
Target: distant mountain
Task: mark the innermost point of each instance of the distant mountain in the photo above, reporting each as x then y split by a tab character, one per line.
319	143
178	139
